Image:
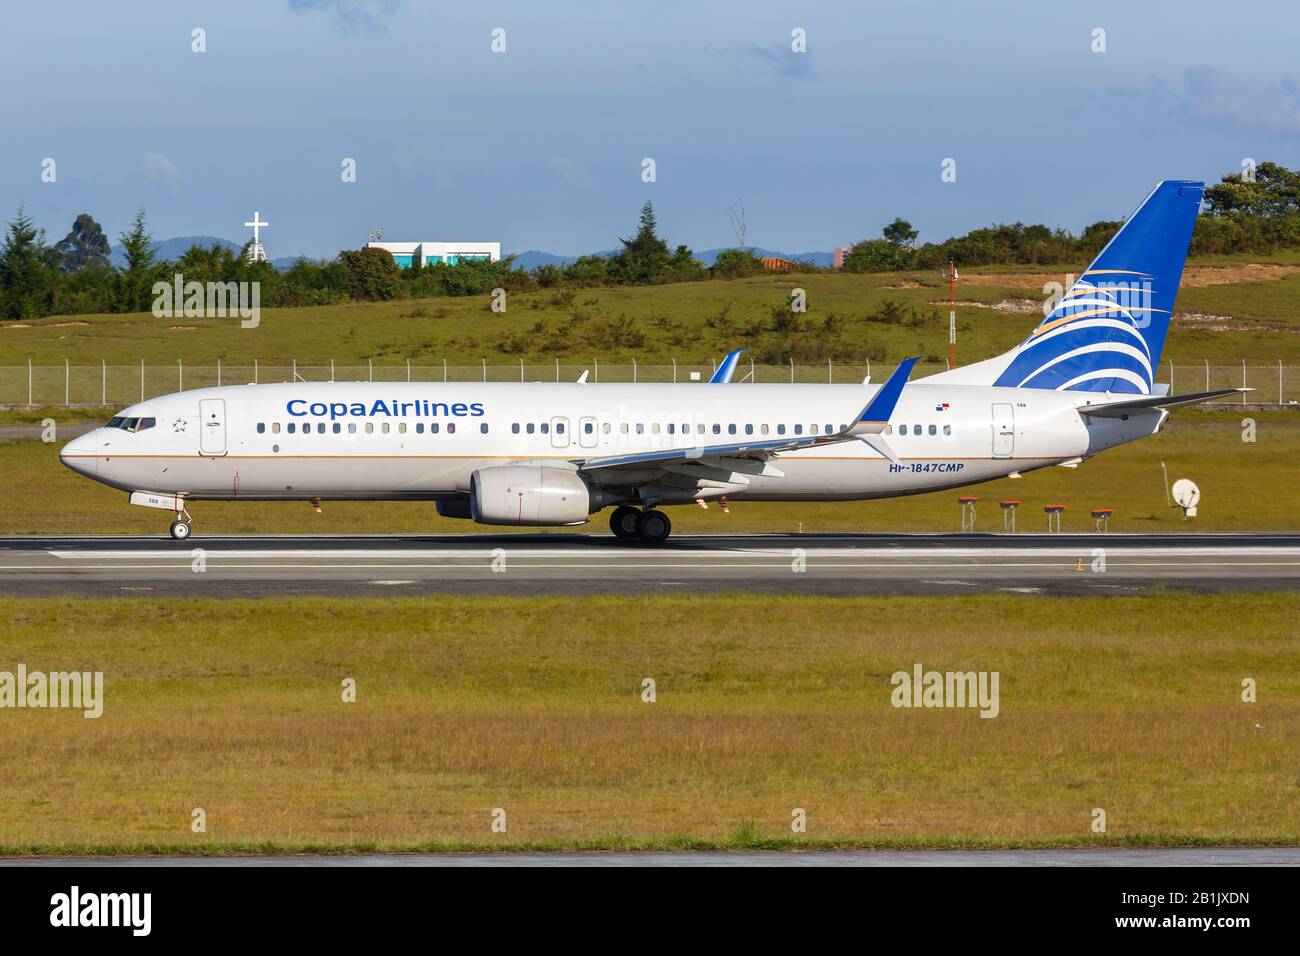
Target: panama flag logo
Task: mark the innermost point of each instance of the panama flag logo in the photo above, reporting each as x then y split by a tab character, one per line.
941	408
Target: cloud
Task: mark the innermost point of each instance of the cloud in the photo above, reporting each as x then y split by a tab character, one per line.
1207	97
158	169
777	59
351	15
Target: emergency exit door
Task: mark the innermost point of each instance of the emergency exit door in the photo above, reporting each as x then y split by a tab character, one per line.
212	426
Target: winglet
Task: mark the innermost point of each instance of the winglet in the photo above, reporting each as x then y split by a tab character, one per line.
881	406
728	368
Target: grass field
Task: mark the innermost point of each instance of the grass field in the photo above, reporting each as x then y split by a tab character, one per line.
1244	486
763	705
1232	309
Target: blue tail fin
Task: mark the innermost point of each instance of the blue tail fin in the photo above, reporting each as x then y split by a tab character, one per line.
1107	332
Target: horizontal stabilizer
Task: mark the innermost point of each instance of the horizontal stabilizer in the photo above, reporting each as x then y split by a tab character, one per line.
1120	409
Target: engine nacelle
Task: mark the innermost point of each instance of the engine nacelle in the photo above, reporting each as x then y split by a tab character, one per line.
528	495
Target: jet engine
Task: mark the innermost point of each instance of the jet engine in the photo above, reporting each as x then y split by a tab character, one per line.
528	495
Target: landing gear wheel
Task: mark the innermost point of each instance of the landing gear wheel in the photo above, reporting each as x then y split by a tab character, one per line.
653	527
180	529
623	522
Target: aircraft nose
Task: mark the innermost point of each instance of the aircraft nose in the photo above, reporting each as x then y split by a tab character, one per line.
81	454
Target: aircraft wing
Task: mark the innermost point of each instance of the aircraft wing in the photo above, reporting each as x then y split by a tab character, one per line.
868	423
1120	409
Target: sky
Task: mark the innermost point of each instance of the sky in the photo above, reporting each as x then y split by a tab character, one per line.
542	146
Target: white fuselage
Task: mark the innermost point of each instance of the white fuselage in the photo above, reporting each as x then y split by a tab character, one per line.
423	440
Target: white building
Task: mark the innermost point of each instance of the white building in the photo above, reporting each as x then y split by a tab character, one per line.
407	254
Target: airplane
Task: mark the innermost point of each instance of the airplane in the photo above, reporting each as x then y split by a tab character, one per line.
554	454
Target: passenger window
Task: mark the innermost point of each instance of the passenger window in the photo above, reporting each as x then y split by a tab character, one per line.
559	428
717	429
764	429
352	428
780	429
320	428
623	428
749	429
483	427
514	428
902	429
829	430
275	428
261	427
671	428
604	427
588	427
947	429
654	428
933	430
546	428
370	428
798	429
731	429
292	426
640	428
529	429
419	428
401	428
384	428
700	428
337	428
433	428
451	428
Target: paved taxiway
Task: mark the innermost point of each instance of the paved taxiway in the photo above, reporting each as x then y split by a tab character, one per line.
834	564
1226	856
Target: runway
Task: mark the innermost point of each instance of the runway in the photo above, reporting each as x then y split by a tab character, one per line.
1119	857
531	564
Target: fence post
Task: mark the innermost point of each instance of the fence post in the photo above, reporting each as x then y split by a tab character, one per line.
142	380
293	374
67	386
791	369
103	382
29	381
218	373
408	370
521	371
180	376
557	369
1207	375
753	373
485	369
331	370
370	364
596	365
1171	376
634	370
1279	381
674	369
1243	380
444	370
254	371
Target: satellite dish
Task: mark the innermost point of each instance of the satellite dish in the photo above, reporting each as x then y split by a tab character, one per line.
1187	495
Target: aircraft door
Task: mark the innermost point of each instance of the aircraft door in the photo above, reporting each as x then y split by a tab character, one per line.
587	432
212	426
1004	430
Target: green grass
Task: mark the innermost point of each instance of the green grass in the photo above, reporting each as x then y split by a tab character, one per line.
695	322
1244	486
764	705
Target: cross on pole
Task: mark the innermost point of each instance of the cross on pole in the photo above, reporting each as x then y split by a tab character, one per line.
255	252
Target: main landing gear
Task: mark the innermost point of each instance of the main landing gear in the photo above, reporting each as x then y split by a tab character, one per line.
649	526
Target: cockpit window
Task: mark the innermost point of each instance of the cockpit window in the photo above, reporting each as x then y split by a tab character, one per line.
131	424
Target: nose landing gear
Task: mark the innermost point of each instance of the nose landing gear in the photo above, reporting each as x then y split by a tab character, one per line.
180	528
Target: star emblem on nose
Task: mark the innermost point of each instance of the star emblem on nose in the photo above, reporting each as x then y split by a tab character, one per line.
178	425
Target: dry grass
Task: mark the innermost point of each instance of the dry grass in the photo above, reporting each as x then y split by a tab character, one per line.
764	704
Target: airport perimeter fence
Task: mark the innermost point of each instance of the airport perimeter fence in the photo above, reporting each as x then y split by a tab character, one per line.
119	385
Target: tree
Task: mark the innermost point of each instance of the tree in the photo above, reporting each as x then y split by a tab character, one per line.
135	282
900	234
1275	192
739	222
372	273
734	263
86	245
645	257
23	275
